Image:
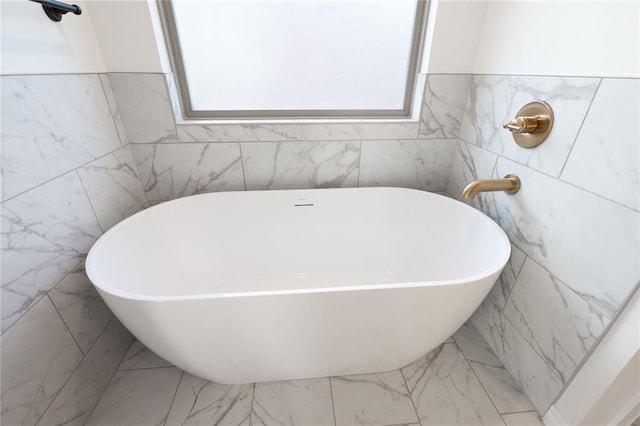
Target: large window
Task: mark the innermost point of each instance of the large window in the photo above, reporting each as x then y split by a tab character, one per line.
294	58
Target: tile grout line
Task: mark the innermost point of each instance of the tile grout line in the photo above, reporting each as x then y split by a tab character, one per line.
109	382
113	113
333	403
478	379
244	177
584	120
359	164
44	294
75	369
253	399
265	141
84	354
173	399
415	409
86	194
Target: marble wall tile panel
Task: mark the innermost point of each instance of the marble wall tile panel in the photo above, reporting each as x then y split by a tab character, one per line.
359	131
38	356
443	105
81	307
282	165
470	163
139	356
558	323
113	106
372	399
562	228
446	391
495	379
169	171
137	397
113	187
538	381
144	104
81	393
495	100
200	402
45	234
239	132
605	158
51	124
420	164
504	285
293	402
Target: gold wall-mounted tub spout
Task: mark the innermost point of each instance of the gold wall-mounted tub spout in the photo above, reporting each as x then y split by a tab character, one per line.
510	184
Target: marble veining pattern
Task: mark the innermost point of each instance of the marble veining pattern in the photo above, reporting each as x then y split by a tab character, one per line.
443	105
537	380
38	356
528	418
81	308
293	402
200	402
169	171
143	102
507	279
420	164
495	379
78	397
605	158
113	187
283	165
495	100
548	220
137	397
45	117
45	234
372	399
113	106
446	391
239	132
559	324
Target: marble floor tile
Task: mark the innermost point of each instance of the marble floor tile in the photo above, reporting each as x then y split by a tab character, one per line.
372	399
529	418
294	402
137	397
38	356
495	379
81	393
446	391
139	356
81	308
200	402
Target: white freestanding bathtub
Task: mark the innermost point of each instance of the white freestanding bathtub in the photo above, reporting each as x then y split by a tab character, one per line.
239	287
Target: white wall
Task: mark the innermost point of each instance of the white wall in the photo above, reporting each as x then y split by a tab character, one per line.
33	44
559	38
128	33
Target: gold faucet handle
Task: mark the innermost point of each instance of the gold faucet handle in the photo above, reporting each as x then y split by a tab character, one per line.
525	124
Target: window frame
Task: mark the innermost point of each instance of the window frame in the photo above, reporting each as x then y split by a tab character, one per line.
174	51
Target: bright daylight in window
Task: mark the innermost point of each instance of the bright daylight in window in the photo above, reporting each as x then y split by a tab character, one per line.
295	58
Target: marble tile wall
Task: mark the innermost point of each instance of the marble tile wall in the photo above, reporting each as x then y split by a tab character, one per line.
176	159
68	175
574	225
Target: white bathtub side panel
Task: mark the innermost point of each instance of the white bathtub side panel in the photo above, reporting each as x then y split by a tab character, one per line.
282	337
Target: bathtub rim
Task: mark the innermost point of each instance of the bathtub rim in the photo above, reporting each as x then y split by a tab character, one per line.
110	289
